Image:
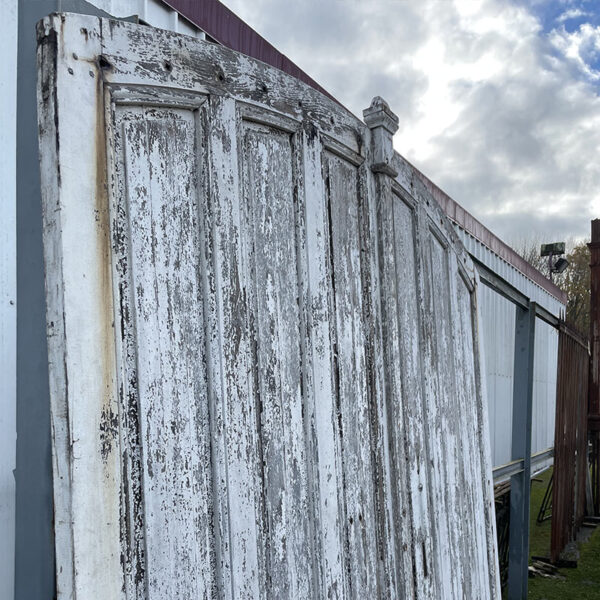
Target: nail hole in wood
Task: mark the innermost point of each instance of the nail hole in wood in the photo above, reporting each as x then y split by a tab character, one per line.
103	63
70	71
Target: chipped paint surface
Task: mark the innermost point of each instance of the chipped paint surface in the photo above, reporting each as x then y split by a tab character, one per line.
276	392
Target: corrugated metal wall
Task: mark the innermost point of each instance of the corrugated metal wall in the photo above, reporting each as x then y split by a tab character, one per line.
498	316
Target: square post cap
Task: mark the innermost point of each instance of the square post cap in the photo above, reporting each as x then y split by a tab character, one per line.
379	114
383	123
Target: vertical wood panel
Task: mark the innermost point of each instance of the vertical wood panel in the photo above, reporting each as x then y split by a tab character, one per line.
349	374
321	402
237	458
440	389
162	204
472	496
273	295
417	454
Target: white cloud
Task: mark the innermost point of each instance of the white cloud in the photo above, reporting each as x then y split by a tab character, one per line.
488	108
581	47
572	13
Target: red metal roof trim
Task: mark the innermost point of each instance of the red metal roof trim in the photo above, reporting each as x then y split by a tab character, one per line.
228	29
479	231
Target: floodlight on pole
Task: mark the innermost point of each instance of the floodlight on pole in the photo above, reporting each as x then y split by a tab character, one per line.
552	250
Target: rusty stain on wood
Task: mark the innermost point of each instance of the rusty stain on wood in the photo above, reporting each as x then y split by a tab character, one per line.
281	353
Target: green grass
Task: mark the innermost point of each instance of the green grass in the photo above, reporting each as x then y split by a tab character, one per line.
582	583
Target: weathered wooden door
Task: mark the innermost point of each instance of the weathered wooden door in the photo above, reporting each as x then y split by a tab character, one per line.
265	368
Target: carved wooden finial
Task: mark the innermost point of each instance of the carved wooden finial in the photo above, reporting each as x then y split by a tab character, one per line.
383	123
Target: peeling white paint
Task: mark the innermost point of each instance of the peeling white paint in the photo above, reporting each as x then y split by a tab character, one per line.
265	371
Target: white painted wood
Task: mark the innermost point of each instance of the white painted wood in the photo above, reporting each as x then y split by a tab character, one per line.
327	484
160	189
8	296
80	316
264	337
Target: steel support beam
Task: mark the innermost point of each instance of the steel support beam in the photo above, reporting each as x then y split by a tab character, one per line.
500	285
516	466
546	316
520	487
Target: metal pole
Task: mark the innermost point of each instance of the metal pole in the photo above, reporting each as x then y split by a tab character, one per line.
518	554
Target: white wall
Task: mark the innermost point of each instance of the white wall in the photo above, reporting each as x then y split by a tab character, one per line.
498	318
8	282
153	12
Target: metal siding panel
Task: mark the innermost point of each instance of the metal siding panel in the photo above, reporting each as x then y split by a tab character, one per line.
498	318
8	296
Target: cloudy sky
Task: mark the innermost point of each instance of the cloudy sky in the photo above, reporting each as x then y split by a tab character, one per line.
498	99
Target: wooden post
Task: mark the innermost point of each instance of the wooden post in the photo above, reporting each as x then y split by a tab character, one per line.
594	247
594	380
518	554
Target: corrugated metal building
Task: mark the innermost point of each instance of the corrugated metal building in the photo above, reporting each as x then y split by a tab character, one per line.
27	393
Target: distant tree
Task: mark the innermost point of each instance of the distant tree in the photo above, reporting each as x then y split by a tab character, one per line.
529	249
576	283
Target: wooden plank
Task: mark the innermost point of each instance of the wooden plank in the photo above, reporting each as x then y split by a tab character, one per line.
84	398
411	363
241	562
473	497
321	403
446	461
161	192
401	347
156	57
273	296
341	180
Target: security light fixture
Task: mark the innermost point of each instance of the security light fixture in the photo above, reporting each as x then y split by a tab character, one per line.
552	250
560	265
